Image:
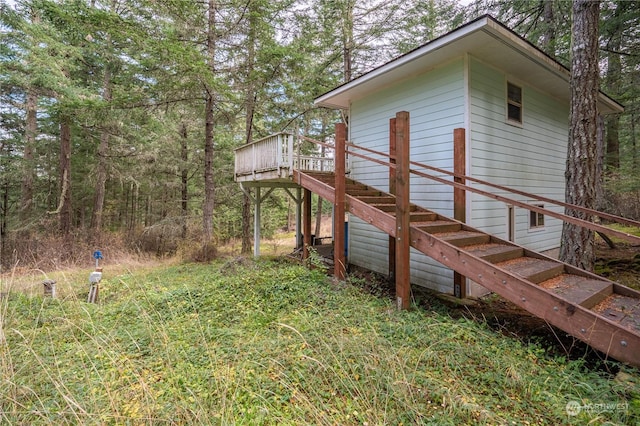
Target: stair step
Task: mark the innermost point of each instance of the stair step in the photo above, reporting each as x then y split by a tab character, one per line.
464	238
364	193
579	290
356	186
417	216
421	216
622	309
438	226
382	199
632	322
390	208
533	269
495	253
385	207
323	177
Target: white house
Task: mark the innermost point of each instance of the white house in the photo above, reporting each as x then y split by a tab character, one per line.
513	101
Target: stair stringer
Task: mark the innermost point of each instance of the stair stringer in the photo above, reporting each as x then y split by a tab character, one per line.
584	324
592	328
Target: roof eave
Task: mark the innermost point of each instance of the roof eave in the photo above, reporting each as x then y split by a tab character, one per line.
607	105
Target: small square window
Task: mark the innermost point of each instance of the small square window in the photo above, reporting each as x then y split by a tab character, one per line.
536	220
514	103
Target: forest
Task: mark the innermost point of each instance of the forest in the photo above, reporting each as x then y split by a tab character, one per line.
119	118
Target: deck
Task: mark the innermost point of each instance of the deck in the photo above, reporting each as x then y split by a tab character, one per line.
273	159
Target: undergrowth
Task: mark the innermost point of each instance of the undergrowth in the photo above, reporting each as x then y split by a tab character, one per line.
268	342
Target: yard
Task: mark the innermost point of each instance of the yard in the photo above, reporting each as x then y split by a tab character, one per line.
272	342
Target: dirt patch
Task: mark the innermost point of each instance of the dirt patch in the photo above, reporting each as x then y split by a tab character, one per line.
371	282
620	264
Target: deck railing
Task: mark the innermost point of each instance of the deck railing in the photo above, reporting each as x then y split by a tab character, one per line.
270	153
310	163
276	156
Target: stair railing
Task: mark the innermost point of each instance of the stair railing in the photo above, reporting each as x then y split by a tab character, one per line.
312	163
318	163
570	219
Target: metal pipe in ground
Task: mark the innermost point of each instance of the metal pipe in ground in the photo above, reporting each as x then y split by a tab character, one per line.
49	288
94	283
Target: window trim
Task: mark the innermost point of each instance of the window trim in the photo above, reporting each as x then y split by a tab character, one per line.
536	220
513	102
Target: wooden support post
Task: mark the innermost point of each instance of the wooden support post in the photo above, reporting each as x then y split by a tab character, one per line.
297	198
256	223
257	200
392	190
403	231
459	200
299	233
339	266
307	224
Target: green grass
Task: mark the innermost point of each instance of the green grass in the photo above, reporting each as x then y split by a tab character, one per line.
632	230
275	343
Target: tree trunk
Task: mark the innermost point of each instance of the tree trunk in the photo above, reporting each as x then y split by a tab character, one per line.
246	224
634	149
347	40
250	107
209	188
133	219
549	39
31	131
124	205
64	208
209	184
101	172
577	242
28	169
148	211
318	228
323	129
184	178
4	211
600	160
613	143
613	83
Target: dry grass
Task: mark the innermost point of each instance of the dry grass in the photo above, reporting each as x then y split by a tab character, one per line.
69	263
43	258
282	243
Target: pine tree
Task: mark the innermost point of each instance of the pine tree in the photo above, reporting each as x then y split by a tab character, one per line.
581	177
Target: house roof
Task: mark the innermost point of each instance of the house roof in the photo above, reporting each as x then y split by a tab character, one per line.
484	38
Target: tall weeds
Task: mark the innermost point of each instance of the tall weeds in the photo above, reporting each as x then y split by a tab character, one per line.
272	343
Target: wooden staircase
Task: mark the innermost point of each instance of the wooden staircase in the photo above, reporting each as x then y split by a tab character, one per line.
604	314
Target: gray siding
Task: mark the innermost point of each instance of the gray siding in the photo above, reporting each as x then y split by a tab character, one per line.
530	157
435	101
